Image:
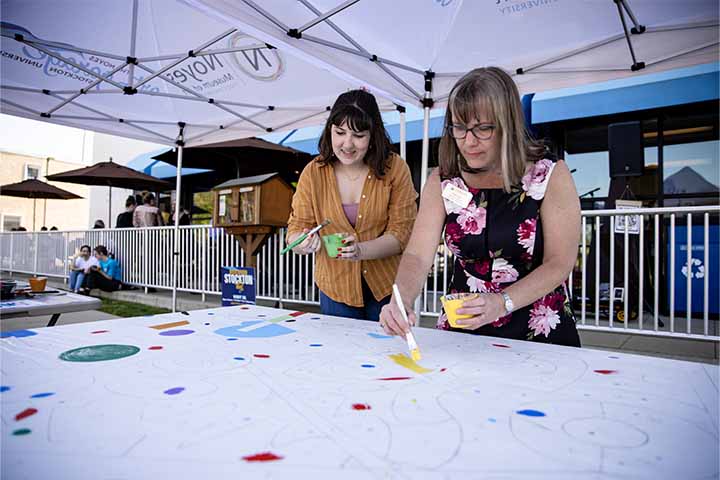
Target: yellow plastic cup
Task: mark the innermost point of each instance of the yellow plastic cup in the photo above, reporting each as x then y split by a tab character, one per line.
451	306
332	242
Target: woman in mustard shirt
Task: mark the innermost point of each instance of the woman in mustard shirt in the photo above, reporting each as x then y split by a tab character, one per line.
366	192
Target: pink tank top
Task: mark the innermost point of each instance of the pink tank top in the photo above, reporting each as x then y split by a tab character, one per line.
351	211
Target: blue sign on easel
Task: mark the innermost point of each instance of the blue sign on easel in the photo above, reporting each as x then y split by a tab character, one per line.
238	285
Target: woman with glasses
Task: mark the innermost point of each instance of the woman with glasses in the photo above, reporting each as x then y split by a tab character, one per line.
366	192
510	216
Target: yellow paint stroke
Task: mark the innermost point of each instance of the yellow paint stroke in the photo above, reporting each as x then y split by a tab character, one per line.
163	326
407	362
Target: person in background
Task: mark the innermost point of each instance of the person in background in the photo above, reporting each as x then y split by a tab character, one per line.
81	267
184	217
367	193
99	224
43	228
53	228
125	219
510	215
106	275
147	214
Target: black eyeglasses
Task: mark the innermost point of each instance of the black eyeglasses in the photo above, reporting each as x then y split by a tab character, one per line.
483	131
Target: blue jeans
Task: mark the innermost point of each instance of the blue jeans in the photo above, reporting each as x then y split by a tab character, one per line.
76	279
370	310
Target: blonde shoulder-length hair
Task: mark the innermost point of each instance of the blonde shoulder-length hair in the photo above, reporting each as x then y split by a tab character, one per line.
493	92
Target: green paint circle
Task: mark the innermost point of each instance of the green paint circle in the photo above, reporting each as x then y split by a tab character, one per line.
22	431
98	353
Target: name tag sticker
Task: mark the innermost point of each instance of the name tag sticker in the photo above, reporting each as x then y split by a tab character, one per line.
457	195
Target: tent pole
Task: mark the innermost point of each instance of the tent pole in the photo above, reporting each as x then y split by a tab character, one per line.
176	231
427	103
403	133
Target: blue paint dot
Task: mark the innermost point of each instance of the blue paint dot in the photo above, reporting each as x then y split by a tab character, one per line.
231	339
18	334
530	413
316	344
314	318
211	313
4	388
492	420
612	356
261	316
174	391
207	323
43	395
367	365
239	358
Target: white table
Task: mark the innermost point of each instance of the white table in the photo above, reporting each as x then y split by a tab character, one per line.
48	304
213	393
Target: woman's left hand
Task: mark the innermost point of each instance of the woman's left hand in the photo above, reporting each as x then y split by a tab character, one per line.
351	250
485	308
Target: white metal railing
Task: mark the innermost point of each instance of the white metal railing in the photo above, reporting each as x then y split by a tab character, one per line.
623	279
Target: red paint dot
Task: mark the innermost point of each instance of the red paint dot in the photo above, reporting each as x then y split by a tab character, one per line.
261	355
500	345
395	378
296	314
443	369
26	413
262	457
155	347
605	372
100	331
361	406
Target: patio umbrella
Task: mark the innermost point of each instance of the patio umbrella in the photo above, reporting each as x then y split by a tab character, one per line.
111	174
242	158
35	189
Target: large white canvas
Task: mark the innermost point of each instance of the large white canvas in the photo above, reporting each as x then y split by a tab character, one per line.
314	395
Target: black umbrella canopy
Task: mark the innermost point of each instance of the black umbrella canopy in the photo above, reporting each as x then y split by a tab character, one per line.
36	189
111	174
242	158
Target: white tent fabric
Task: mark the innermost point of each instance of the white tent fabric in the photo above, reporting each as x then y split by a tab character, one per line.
53	49
556	43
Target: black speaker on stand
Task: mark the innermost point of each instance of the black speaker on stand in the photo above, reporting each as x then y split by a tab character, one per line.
625	145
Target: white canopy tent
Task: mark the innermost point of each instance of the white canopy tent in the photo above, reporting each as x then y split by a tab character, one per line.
415	50
190	72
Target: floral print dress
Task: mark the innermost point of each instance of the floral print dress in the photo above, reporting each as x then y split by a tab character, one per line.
497	240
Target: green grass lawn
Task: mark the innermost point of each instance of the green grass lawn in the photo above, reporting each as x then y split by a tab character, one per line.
129	309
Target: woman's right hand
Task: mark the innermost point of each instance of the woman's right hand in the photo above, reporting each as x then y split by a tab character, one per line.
392	321
310	245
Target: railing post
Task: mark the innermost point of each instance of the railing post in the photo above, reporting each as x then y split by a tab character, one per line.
281	274
145	248
203	268
66	261
35	259
12	238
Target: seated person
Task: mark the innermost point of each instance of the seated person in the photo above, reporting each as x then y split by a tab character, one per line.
81	267
106	276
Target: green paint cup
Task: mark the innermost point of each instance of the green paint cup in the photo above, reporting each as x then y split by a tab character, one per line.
332	242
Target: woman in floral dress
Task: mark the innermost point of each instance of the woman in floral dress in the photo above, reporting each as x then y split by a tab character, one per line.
510	216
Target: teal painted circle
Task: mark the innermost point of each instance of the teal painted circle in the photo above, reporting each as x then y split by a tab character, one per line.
99	353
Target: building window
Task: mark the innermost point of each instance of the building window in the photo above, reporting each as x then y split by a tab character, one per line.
31	172
10	222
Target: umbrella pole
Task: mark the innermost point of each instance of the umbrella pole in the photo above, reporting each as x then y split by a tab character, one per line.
34	200
109	224
176	230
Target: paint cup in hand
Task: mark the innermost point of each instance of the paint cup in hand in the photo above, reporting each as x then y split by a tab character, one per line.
451	303
37	284
333	242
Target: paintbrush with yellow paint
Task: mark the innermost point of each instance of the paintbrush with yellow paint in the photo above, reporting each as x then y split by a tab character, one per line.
409	338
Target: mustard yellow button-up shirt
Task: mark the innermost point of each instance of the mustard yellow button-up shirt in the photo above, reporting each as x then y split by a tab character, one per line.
387	205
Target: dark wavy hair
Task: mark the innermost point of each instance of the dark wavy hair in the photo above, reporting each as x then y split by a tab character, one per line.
101	250
361	112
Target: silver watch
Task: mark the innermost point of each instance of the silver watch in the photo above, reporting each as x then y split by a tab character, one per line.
509	305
